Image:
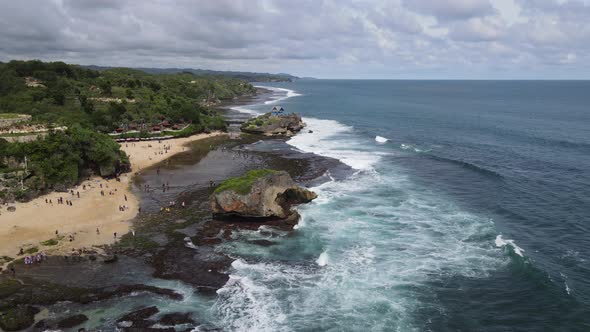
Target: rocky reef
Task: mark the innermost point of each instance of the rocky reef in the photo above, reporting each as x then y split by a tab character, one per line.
260	194
269	124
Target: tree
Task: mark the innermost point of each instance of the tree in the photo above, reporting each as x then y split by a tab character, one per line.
105	86
129	94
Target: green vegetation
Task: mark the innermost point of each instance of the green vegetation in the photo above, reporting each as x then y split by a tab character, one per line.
5	259
60	159
242	185
8	115
246	76
50	242
91	103
112	98
31	250
17	318
260	121
138	242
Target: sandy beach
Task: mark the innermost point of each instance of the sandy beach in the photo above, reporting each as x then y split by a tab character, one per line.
93	217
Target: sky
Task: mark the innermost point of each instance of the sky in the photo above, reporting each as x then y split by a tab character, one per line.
355	39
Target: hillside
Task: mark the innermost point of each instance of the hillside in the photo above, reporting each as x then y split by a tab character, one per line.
65	111
247	76
105	100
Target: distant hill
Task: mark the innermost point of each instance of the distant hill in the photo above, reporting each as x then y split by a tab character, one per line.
247	76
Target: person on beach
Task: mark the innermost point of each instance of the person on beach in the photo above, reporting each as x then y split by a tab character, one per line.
78	193
21	252
97	231
125	197
115	234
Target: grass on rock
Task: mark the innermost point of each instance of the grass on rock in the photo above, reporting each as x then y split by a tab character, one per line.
242	185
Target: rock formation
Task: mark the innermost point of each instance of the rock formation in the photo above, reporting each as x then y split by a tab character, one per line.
274	125
259	194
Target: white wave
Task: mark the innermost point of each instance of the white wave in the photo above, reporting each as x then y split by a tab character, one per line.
189	243
332	139
501	242
323	259
244	109
288	93
412	147
246	305
381	139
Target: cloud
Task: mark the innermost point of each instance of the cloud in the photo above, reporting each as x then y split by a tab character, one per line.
353	38
451	9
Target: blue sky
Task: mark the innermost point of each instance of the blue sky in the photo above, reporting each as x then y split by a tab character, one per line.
399	39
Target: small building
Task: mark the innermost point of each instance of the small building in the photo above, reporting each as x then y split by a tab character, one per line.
277	110
156	128
165	123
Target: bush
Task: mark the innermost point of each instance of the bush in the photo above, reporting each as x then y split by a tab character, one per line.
50	242
31	251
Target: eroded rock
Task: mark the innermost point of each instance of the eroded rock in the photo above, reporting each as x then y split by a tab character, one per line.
270	124
259	194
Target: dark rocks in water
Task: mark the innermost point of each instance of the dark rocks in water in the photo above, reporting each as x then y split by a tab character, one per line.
138	319
148	329
268	124
176	318
201	268
259	194
72	321
139	314
18	318
110	259
263	243
128	289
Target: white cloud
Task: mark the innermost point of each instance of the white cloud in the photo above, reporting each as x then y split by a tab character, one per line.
358	38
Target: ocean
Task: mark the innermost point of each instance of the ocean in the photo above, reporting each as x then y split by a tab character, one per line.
466	208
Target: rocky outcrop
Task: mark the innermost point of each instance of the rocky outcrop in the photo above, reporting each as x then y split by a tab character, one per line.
259	194
274	125
69	322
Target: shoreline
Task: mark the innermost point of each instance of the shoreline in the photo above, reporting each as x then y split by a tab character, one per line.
93	218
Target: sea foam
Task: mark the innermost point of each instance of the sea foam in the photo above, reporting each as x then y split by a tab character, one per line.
381	139
332	139
501	242
288	93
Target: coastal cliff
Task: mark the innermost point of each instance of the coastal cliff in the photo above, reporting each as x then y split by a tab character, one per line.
259	194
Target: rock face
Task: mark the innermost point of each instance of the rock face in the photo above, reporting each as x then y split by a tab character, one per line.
259	194
274	125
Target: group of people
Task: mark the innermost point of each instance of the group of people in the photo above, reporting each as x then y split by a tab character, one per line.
166	149
171	204
38	258
60	200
